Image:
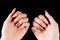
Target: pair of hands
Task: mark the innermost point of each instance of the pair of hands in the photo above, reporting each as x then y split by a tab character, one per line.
16	25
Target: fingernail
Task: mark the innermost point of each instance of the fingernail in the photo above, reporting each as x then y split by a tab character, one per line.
25	15
14	8
13	16
46	12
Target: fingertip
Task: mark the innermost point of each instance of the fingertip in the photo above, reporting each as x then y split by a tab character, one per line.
19	12
12	13
33	22
28	24
46	13
50	18
25	15
40	15
35	18
43	18
14	10
33	29
27	19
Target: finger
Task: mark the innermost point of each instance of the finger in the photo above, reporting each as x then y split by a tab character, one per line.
50	18
9	18
25	25
35	24
12	13
19	17
38	26
22	21
36	31
24	28
16	19
17	13
43	19
37	20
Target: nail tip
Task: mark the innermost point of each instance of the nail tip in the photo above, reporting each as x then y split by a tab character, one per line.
14	9
45	11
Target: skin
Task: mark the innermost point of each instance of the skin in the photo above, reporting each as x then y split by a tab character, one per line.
43	30
17	28
13	30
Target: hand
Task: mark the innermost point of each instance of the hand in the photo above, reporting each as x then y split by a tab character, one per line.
43	30
15	26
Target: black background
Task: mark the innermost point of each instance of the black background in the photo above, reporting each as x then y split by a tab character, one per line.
32	9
